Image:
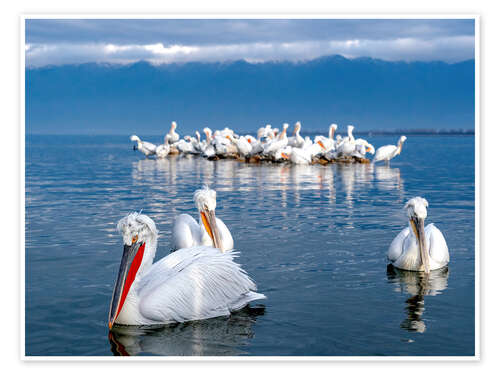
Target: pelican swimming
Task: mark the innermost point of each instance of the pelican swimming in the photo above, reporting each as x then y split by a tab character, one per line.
146	148
210	231
171	136
190	284
417	248
390	151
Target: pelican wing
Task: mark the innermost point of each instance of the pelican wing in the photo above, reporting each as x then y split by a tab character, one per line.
438	249
186	232
396	248
195	283
149	147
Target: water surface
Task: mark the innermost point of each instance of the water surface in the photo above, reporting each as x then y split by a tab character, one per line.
313	238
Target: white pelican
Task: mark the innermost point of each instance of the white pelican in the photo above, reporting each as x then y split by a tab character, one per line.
278	143
211	231
388	152
243	144
348	144
327	143
171	136
162	150
146	148
296	140
416	248
186	145
189	284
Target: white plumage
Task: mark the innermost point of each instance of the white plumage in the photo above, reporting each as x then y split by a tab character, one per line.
209	231
189	284
162	151
417	248
146	148
388	152
172	136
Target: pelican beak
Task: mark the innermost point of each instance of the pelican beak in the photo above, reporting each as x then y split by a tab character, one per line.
418	228
284	156
210	224
321	145
131	261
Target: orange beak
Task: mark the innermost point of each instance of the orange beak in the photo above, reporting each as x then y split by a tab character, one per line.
321	145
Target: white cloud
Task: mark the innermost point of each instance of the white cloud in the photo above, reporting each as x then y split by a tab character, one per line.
449	48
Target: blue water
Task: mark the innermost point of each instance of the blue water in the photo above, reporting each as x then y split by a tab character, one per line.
313	238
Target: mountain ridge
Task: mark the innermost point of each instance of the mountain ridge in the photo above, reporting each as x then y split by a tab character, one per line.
140	97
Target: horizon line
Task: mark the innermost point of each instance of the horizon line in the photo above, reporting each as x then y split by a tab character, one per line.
243	60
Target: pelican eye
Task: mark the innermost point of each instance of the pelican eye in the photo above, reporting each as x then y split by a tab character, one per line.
134	239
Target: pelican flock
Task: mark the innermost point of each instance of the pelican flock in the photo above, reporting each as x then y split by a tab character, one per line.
199	279
271	145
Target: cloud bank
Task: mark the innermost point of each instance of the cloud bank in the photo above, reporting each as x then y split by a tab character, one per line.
55	42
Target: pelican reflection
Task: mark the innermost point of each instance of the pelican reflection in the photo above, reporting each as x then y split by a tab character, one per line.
418	285
211	337
388	178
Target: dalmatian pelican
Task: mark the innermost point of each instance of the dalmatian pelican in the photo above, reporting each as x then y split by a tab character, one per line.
210	231
146	148
190	284
390	151
172	136
417	248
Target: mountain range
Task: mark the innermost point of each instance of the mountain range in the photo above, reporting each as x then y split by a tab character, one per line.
143	98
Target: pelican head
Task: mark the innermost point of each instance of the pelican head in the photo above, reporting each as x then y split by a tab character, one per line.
173	126
402	139
136	230
416	209
206	201
135	138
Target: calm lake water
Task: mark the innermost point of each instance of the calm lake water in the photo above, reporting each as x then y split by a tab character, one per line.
314	239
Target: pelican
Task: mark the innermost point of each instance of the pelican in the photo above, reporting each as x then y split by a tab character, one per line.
296	140
277	144
171	136
211	231
417	248
243	144
348	144
327	143
162	150
190	284
390	151
146	148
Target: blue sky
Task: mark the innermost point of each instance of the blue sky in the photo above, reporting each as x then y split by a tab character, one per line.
73	41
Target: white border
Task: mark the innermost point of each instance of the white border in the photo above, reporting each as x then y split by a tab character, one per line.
267	15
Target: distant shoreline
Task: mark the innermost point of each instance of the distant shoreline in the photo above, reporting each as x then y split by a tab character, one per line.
427	132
